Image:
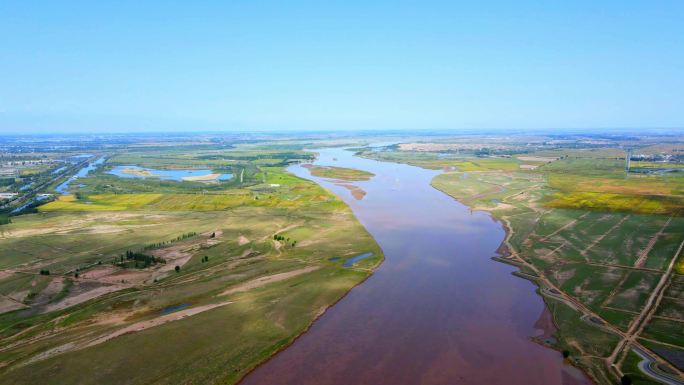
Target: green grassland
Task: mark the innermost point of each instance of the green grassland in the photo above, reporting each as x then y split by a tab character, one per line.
88	232
342	173
598	234
433	160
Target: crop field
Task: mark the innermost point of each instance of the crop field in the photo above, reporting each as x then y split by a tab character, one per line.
597	240
233	272
604	185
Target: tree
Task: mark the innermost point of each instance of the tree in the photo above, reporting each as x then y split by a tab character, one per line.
75	275
213	235
566	353
626	380
177	269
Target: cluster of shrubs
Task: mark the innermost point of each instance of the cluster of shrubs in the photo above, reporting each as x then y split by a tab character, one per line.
44	272
283	239
147	260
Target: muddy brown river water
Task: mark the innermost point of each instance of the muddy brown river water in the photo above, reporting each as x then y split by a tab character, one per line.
437	311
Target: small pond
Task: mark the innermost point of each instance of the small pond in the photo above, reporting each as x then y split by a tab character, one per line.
196	175
351	261
173	308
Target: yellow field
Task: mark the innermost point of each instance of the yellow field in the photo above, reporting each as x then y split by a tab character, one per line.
617	202
294	198
171	202
637	184
486	164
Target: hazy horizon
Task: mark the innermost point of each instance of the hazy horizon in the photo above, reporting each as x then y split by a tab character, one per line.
608	131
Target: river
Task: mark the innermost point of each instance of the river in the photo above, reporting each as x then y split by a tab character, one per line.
437	311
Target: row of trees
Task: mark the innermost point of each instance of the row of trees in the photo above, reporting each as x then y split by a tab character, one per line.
178	238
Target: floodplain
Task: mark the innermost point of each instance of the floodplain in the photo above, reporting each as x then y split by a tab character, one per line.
139	280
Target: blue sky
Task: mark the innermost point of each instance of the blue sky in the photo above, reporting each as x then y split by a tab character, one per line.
261	65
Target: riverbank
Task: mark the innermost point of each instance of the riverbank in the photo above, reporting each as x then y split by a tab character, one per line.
308	327
269	253
508	256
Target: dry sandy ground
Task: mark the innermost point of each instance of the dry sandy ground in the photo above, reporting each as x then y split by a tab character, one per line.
499	206
54	287
85	224
201	178
175	255
142	325
8	304
357	192
133	328
83	297
137	172
262	281
116	275
179	254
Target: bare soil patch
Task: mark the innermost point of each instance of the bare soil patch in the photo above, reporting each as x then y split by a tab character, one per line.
82	292
143	325
8	304
262	281
357	192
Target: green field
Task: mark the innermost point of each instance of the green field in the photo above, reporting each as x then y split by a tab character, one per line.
341	173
